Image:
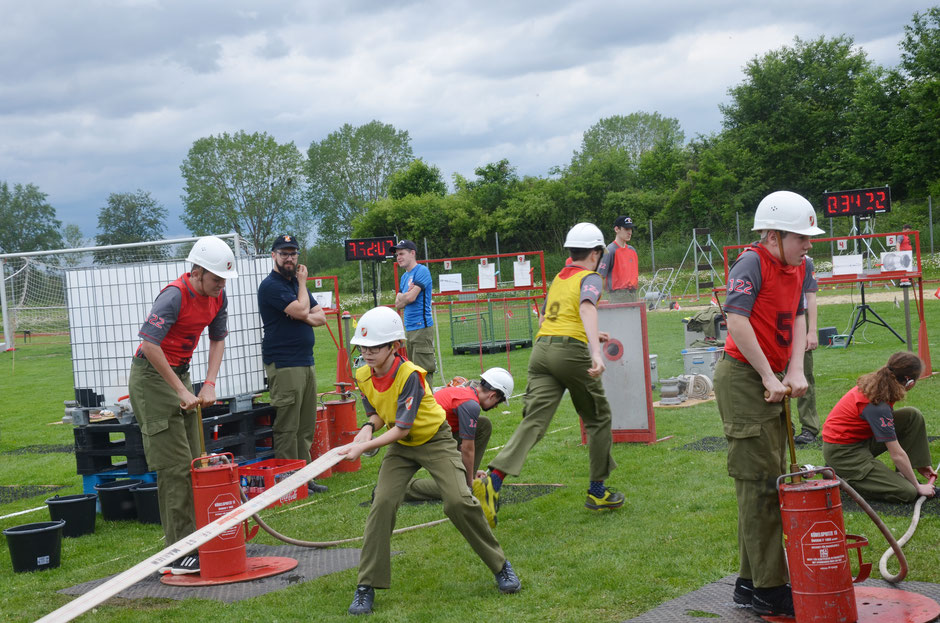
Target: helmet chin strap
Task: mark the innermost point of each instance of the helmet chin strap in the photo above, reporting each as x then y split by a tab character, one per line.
783	257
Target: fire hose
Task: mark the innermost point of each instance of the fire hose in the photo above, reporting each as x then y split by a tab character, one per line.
322	544
883	563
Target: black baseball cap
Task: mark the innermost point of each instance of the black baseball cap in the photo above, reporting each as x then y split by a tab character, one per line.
284	242
405	244
624	221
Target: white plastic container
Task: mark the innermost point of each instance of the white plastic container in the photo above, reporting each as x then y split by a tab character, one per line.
701	360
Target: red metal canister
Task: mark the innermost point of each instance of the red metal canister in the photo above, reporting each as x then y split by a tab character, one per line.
343	427
321	439
217	492
817	549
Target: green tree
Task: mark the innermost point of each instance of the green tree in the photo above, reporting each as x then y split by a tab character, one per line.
73	239
450	224
494	183
246	183
351	169
126	218
419	178
633	134
27	220
789	113
916	136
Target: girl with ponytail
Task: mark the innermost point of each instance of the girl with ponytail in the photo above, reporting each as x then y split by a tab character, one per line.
864	424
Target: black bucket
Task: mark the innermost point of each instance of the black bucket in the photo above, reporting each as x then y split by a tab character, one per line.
35	546
78	511
148	505
117	500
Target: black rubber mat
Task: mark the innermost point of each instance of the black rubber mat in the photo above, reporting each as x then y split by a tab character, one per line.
11	493
931	506
713	602
311	563
43	449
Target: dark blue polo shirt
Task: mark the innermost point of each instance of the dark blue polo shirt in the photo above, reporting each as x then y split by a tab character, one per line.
287	342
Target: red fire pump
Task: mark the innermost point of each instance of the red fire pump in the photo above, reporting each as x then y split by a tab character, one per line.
818	559
223	560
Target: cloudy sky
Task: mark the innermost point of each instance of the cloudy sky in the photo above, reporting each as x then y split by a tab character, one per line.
102	96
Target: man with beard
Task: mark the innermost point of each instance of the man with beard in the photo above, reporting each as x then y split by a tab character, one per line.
289	313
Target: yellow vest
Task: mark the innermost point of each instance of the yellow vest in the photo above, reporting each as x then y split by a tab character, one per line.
563	307
430	415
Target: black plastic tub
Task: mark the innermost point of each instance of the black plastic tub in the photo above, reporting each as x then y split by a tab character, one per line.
35	546
117	499
78	511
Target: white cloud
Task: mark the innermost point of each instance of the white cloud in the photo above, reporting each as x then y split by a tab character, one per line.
108	96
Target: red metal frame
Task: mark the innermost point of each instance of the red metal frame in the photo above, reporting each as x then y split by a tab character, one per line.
543	288
538	291
335	311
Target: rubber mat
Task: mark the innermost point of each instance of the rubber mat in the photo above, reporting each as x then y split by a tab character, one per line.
43	449
312	563
713	602
12	493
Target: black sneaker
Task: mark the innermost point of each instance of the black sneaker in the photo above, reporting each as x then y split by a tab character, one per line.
314	487
777	601
362	600
743	592
507	580
182	565
804	438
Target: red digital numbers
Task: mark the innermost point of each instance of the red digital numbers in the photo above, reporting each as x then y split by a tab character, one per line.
861	202
369	248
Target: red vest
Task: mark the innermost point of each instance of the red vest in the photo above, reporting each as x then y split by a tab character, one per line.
452	397
845	424
774	309
196	313
624	269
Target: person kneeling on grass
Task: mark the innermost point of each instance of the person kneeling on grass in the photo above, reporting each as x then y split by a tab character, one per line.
864	424
396	394
462	403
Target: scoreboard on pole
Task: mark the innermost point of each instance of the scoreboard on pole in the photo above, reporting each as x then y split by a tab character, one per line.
859	202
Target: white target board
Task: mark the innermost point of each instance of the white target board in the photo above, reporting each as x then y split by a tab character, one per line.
108	305
626	380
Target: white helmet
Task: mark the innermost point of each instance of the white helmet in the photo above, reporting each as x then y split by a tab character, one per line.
584	236
500	380
786	211
215	256
379	325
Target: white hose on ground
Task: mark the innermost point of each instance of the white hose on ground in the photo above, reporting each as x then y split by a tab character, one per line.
883	563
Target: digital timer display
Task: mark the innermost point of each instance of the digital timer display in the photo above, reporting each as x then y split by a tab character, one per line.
370	248
859	202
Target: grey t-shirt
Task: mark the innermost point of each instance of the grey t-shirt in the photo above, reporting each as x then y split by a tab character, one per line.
411	395
165	312
880	418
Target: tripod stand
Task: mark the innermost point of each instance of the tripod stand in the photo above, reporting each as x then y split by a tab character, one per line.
860	317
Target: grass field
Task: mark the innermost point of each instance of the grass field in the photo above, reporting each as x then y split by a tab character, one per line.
675	533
